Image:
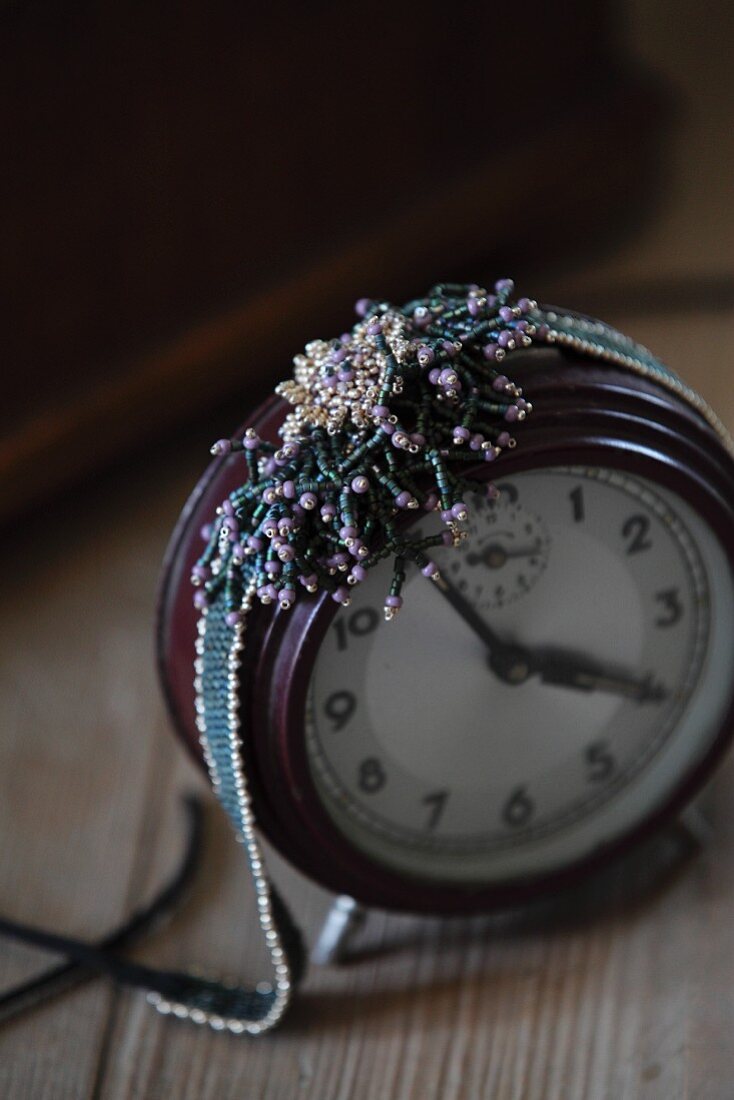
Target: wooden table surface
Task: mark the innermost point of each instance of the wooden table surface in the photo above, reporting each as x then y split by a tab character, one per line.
622	991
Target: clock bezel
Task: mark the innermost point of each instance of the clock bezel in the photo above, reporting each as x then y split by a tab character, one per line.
585	415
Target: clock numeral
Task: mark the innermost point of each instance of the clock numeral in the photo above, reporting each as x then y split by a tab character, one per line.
509	492
518	809
577	500
437	802
339	707
600	762
359	623
372	776
672	607
636	529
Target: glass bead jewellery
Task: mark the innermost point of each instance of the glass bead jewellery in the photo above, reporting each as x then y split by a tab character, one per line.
385	420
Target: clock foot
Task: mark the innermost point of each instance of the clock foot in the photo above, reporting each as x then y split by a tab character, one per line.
344	918
696	824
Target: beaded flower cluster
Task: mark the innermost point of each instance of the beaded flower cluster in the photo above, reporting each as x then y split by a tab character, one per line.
385	419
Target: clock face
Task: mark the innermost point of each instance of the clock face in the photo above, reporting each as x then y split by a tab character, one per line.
571	665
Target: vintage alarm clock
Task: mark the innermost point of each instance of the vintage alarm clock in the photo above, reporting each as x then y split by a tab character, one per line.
551	512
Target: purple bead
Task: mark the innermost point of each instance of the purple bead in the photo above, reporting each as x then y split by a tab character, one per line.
361	307
228	507
461	434
347	533
251	440
418	438
232	618
474	307
270	467
490	454
360	484
359	572
507	314
289	490
511	413
341	594
286	596
345	375
338	355
206	532
221	447
489	351
340	558
380	411
506	339
308	501
229	524
429	569
374	329
447	515
254	542
356	549
426	355
447	538
434	376
328	511
521	403
504	286
403	499
543	332
448	377
476	441
201	572
503	439
449	347
387	427
309	581
500	382
272	568
200	599
286	553
525	305
430	502
459	510
394	601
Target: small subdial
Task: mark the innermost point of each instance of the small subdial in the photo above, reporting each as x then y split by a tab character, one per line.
505	553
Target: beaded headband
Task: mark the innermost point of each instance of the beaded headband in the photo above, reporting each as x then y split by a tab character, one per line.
386	419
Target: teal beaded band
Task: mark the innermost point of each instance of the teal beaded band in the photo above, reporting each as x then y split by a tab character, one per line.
384	419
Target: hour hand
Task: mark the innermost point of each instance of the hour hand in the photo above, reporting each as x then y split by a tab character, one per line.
565	670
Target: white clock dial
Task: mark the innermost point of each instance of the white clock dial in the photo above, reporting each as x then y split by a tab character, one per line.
574	662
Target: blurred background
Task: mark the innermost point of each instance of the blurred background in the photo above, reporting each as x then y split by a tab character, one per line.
189	193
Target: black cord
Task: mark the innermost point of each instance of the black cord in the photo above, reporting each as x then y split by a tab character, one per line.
88	959
81	967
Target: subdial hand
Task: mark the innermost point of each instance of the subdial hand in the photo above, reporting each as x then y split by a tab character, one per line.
495	555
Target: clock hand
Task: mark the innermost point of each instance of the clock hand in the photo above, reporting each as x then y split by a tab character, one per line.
507	660
567	670
515	664
496	555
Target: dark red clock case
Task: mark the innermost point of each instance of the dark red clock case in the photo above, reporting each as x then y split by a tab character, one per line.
584	413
